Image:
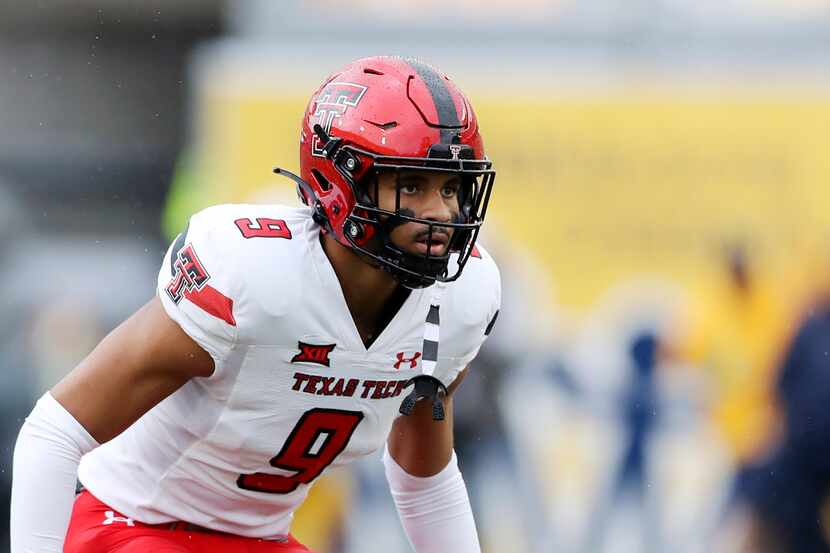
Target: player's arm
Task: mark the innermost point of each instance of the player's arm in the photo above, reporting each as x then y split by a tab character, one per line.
141	362
136	366
425	482
421	445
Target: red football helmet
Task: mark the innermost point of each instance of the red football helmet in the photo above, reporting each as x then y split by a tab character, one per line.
391	114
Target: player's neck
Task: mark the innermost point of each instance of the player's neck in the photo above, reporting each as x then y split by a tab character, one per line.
368	291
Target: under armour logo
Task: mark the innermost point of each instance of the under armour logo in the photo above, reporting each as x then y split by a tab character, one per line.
455	149
111	518
413	361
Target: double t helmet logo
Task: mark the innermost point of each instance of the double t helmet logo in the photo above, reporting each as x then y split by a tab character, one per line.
332	102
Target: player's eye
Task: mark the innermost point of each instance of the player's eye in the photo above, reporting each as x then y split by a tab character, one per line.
409	188
449	191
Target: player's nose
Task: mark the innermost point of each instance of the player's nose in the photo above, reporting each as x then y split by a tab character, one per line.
435	207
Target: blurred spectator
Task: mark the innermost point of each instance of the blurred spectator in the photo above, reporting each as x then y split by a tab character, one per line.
788	490
733	339
639	405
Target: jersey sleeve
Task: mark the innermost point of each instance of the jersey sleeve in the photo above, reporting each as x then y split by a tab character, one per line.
196	285
472	312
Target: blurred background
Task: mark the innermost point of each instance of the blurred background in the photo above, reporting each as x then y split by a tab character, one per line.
660	373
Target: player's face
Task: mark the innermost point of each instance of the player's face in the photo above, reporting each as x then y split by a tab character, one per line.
430	195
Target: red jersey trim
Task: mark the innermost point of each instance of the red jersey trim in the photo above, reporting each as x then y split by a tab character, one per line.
212	301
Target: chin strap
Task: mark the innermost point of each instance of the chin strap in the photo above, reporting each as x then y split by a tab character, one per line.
426	385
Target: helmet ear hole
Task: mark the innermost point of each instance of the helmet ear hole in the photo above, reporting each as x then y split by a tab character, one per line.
322	181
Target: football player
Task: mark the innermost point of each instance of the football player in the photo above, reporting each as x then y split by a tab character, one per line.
284	341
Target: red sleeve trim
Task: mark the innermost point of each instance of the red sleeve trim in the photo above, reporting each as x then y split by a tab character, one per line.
212	301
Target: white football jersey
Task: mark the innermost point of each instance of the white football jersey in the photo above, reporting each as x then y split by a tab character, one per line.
294	390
